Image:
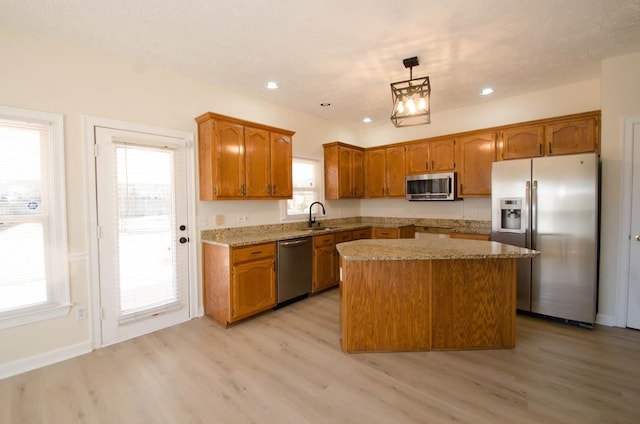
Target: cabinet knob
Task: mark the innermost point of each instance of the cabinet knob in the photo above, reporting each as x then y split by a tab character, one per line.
638	237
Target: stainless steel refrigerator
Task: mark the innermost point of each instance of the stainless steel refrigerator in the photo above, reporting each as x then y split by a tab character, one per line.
550	204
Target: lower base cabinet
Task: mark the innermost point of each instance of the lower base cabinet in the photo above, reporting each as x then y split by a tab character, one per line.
406	231
238	282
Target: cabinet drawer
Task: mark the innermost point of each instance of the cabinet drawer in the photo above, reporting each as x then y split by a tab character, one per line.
323	240
343	236
249	253
389	233
364	233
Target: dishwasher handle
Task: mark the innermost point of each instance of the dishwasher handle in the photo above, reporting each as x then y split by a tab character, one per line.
294	242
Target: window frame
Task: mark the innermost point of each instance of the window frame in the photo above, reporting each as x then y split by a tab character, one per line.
285	216
56	251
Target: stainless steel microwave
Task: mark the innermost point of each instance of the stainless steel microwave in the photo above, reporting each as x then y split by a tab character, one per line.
441	186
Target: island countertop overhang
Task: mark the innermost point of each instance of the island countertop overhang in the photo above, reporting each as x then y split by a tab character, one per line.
421	249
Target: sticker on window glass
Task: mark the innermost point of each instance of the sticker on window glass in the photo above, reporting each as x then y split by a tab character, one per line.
32	205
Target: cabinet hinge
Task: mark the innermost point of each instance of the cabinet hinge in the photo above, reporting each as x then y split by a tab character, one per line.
99	232
233	271
102	313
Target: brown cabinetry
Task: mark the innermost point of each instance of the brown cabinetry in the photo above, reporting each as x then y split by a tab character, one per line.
406	231
326	270
324	266
476	154
343	171
385	172
470	236
431	156
555	136
243	160
238	282
521	142
578	135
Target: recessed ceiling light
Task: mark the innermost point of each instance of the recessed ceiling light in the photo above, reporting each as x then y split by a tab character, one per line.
367	120
325	104
272	85
486	91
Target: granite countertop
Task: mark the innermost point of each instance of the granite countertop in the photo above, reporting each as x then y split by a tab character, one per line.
238	239
444	248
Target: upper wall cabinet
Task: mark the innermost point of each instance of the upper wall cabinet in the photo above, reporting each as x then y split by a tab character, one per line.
431	156
384	172
343	171
521	142
243	160
476	154
555	136
578	135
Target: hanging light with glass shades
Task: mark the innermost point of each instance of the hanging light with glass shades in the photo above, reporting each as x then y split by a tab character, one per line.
411	104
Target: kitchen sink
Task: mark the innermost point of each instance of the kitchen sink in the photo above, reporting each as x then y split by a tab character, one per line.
319	229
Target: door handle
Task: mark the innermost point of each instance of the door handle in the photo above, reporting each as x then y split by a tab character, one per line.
638	237
183	240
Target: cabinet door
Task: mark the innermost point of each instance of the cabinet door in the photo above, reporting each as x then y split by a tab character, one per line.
281	173
253	287
374	173
257	152
229	141
442	155
323	267
418	158
357	173
522	142
344	173
477	153
395	174
578	136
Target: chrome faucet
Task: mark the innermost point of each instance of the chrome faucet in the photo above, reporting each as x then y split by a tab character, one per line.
311	221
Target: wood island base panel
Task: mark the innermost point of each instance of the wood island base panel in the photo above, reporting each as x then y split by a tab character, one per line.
428	304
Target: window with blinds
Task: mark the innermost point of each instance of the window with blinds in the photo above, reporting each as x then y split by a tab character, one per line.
33	251
306	178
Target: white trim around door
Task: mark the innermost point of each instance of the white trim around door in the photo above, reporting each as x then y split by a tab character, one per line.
90	125
629	125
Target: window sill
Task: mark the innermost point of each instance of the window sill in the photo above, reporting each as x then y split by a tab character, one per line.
16	318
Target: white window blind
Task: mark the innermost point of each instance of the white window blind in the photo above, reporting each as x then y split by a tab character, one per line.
33	250
306	177
146	223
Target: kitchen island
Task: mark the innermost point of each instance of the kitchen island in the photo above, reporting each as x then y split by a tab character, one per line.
418	295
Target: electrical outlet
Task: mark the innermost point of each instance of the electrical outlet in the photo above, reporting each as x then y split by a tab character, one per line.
81	312
240	218
219	219
474	212
202	221
245	217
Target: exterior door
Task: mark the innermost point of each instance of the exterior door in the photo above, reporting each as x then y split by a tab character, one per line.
141	192
633	300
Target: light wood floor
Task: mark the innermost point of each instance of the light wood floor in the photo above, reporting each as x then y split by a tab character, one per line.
286	367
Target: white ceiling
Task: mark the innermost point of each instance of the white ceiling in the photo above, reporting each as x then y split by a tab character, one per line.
347	52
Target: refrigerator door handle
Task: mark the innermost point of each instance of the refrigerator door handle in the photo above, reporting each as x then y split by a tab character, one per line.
534	213
527	216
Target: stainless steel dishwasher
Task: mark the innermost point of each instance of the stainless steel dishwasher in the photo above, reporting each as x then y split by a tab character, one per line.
294	269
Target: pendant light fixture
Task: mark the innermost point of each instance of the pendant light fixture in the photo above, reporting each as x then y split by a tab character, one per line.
411	103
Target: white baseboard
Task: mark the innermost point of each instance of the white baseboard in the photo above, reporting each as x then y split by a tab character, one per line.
42	360
608	320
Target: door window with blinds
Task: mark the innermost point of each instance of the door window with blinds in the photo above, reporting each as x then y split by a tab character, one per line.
34	281
146	230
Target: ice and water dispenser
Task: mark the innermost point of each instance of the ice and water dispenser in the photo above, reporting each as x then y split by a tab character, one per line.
511	217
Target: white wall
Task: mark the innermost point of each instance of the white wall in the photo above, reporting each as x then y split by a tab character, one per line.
47	75
620	98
